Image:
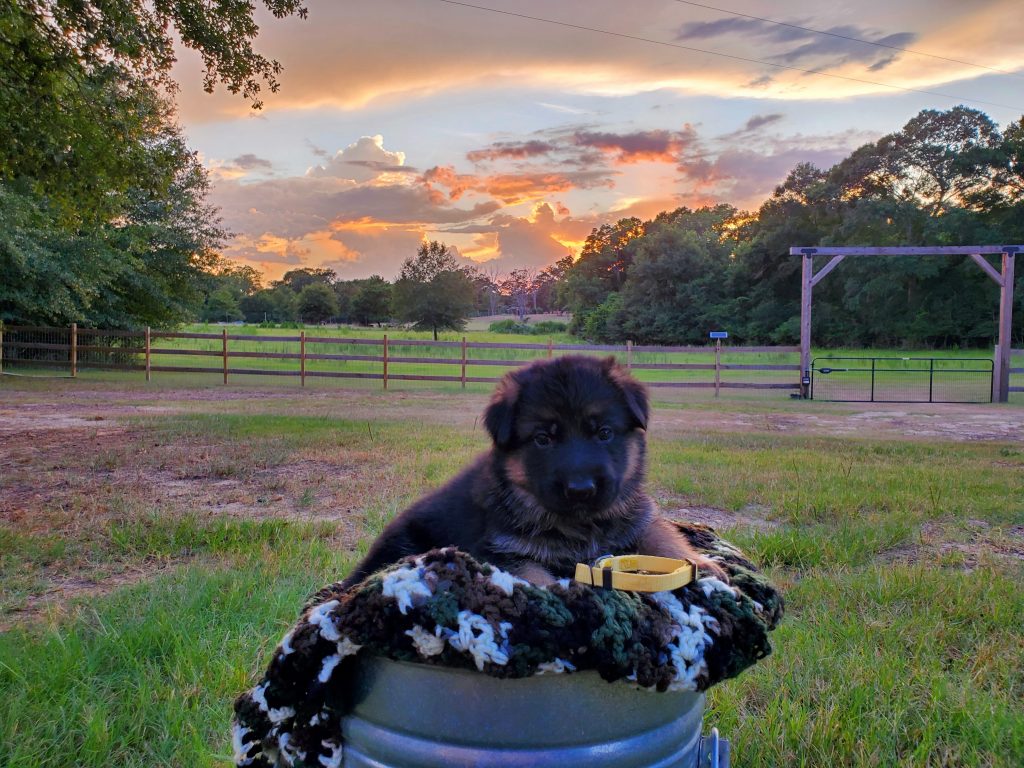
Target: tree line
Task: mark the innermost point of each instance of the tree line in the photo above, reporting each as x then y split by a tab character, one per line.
434	291
946	178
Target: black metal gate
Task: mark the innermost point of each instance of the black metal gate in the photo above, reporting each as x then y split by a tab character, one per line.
902	379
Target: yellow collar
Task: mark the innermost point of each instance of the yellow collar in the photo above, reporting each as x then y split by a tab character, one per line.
663	573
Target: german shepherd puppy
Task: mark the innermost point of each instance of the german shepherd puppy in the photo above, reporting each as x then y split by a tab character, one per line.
562	483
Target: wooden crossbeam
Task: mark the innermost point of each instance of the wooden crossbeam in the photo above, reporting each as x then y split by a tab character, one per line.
932	250
988	269
826	269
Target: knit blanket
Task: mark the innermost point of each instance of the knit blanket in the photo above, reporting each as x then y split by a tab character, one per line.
445	608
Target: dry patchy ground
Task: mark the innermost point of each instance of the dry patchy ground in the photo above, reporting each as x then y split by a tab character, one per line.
76	458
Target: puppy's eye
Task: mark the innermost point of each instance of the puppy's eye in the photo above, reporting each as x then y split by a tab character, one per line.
542	439
605	434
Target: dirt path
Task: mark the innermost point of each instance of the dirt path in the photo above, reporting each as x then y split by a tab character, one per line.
67	406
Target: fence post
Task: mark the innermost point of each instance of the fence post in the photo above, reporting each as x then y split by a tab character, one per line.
385	361
873	379
931	377
302	357
74	350
718	365
1	346
629	355
148	347
463	362
225	338
551	348
996	365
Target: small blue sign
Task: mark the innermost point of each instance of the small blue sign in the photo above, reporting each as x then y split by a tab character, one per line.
719	334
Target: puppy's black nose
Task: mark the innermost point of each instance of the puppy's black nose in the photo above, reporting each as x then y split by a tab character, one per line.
580	489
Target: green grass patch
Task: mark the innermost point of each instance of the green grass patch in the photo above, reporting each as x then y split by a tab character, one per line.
146	677
814	480
906	666
879	661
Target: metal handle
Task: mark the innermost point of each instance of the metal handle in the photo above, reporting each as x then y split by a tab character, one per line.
713	751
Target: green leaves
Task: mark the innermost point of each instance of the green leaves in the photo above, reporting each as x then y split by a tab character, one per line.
433	291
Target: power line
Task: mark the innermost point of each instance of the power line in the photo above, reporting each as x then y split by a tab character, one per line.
734	57
848	37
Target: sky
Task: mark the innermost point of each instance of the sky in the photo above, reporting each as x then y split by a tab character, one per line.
511	138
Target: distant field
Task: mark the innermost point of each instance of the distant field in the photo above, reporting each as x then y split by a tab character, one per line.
157	541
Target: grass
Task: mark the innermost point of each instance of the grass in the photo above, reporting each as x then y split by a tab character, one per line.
902	562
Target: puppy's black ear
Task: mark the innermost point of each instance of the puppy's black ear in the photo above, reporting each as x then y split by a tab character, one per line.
500	416
633	392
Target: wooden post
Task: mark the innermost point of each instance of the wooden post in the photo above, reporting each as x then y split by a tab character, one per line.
302	357
463	362
718	365
996	360
629	355
1001	379
551	348
148	348
74	350
225	338
1	347
806	286
385	361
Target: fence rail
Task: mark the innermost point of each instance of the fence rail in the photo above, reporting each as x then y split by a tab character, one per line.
383	359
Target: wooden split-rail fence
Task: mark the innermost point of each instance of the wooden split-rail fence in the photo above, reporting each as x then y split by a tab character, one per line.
386	359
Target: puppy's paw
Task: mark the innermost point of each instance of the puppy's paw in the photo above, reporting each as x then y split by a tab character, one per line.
536	574
708	567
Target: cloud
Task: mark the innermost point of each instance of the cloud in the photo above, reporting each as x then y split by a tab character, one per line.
514	188
515	150
744	176
588	147
317	151
363	160
639	146
250	161
506	242
352	55
758	122
822	51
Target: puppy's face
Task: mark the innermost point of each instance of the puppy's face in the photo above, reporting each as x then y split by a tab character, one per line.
570	432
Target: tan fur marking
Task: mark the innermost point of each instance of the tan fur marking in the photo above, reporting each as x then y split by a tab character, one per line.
632	458
516	470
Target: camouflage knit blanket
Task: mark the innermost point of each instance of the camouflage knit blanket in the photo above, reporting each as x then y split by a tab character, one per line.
446	608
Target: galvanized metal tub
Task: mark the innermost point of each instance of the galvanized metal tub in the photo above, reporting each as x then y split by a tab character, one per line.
417	716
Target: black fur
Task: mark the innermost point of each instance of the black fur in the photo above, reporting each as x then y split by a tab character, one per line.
561	484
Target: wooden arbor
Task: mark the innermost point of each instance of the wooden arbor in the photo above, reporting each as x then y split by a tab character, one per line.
1003	278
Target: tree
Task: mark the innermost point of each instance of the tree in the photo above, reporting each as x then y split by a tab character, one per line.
221	306
519	286
146	267
317	303
602	268
372	302
433	291
103	203
297	279
940	158
680	284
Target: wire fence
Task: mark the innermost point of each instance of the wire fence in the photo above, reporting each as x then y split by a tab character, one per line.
902	379
318	357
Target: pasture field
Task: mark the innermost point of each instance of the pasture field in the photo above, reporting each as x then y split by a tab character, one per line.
156	542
